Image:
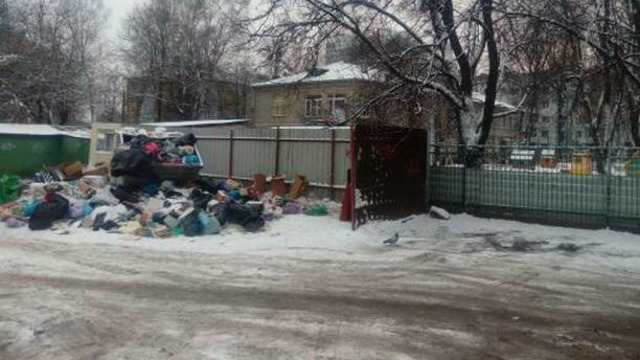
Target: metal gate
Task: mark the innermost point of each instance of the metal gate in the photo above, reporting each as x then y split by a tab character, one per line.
390	172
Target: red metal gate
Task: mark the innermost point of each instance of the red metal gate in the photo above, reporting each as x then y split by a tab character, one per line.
390	172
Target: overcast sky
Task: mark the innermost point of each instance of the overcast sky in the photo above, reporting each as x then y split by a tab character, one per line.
119	10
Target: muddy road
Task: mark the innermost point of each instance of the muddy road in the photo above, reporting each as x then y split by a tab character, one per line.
440	298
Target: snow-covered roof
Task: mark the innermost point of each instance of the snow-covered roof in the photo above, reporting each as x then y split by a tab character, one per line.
310	127
42	130
479	98
339	71
195	123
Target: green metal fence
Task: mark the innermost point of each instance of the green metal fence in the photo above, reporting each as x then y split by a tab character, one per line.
579	186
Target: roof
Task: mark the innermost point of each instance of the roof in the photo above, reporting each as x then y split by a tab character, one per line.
310	127
42	130
196	123
339	71
479	98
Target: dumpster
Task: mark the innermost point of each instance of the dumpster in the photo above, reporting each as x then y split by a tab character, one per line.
189	166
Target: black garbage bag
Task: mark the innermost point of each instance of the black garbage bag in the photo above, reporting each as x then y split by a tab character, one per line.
125	195
133	162
191	225
200	199
138	142
245	216
184	140
46	214
207	184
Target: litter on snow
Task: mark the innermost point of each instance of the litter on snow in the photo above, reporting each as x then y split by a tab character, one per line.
151	189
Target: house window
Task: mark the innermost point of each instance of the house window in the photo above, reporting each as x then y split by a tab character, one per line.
313	106
545	103
279	108
545	134
337	104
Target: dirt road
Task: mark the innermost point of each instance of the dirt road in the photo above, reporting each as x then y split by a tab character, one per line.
446	297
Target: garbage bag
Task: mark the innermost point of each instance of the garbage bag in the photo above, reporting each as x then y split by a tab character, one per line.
210	224
45	214
191	224
291	208
133	162
245	216
188	139
124	194
138	142
192	159
200	199
317	209
9	188
207	184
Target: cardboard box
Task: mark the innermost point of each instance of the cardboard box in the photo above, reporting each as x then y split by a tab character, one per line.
278	186
100	169
72	170
300	184
260	183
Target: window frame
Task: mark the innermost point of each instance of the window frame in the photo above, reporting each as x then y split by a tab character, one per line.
334	99
313	106
279	107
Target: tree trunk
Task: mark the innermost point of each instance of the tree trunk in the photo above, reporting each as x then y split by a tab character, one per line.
491	91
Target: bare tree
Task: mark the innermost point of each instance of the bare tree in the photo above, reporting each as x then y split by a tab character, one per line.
449	44
49	48
182	43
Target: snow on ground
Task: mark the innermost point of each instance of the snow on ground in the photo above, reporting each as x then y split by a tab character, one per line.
310	288
326	236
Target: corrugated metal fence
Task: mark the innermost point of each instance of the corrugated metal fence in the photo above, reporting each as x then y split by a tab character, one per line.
319	154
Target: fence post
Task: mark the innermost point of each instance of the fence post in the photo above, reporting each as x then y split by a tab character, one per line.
607	201
277	165
353	177
230	168
465	162
333	163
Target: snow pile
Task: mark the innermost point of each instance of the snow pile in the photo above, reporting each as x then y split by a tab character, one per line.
465	239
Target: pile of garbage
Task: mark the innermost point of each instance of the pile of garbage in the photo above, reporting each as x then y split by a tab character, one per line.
91	199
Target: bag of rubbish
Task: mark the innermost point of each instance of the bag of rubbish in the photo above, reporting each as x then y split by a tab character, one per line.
9	188
133	162
317	209
244	216
210	225
191	224
188	139
292	208
123	194
192	159
45	214
207	184
138	142
200	199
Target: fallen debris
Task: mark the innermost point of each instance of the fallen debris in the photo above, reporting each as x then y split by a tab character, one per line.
439	213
